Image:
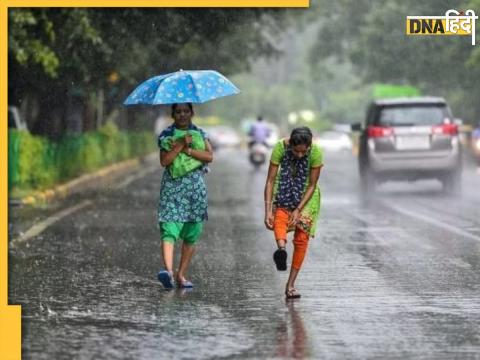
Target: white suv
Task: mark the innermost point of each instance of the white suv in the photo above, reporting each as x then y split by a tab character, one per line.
409	139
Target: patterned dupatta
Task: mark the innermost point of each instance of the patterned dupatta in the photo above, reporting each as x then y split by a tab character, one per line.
293	177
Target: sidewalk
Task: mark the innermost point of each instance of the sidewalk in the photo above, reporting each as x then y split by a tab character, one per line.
83	182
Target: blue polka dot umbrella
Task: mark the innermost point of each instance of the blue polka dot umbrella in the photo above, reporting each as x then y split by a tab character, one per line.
184	86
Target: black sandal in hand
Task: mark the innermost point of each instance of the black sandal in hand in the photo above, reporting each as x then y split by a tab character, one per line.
280	259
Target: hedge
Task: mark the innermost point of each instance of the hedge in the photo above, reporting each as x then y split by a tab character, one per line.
36	163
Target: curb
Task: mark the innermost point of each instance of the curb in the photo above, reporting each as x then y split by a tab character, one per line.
61	191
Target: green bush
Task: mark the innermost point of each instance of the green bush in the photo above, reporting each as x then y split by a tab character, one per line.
91	152
69	156
142	143
123	146
14	138
108	134
35	170
37	163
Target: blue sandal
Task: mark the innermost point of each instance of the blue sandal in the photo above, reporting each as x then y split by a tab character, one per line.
185	284
166	279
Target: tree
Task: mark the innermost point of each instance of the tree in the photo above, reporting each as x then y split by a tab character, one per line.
371	36
68	60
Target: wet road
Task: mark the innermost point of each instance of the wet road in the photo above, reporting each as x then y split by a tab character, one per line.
393	277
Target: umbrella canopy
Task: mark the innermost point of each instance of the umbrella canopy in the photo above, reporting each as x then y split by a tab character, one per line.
184	86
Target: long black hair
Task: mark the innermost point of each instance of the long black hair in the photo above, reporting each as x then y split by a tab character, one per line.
301	136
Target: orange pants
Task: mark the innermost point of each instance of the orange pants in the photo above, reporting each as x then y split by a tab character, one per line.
300	238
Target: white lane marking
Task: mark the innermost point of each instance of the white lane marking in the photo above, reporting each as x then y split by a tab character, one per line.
134	177
40	227
432	221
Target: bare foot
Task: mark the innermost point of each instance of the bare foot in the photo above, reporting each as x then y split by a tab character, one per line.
292	293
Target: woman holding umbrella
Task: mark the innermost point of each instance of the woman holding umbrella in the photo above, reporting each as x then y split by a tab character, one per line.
184	152
183	195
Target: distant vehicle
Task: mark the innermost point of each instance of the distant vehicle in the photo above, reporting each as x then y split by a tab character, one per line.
258	154
14	119
273	136
334	141
409	139
223	136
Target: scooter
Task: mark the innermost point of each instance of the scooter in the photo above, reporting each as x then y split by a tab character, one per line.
258	154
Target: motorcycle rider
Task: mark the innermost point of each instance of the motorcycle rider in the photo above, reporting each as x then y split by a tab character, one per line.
259	132
476	132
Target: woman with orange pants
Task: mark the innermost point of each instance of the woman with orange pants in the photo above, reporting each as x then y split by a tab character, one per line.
292	199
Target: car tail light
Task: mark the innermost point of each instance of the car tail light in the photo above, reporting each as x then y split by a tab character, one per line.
445	129
378	131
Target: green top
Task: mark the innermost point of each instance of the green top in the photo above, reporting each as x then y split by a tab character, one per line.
183	192
183	164
315	159
311	210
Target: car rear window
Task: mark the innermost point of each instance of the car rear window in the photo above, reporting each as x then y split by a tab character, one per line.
412	115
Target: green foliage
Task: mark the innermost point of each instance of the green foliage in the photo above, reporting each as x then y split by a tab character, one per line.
142	142
69	156
55	53
37	163
26	48
347	106
55	39
14	137
91	152
320	124
123	146
387	90
274	104
48	173
34	170
108	134
374	41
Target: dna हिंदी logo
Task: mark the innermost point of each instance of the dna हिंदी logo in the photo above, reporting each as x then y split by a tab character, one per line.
453	23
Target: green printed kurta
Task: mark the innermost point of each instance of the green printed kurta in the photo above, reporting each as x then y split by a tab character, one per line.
311	211
182	198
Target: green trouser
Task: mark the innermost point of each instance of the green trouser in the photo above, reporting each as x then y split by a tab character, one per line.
172	231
